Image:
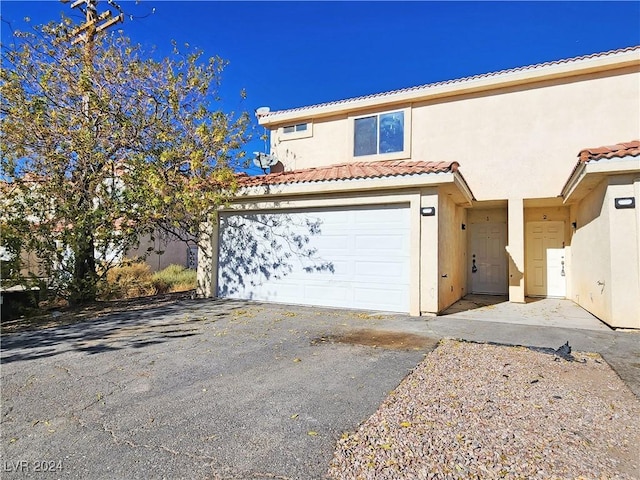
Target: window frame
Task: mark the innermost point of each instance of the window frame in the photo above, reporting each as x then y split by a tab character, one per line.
406	143
296	133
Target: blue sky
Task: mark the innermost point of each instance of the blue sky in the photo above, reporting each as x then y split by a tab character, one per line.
289	54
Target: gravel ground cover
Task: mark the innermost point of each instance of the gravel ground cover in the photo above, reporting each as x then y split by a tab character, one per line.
471	410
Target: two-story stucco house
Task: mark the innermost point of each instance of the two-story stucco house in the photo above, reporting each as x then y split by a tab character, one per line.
524	182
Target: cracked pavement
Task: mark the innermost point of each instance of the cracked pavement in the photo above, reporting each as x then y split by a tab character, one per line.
204	389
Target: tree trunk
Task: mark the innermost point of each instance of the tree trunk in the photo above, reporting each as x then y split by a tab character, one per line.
83	287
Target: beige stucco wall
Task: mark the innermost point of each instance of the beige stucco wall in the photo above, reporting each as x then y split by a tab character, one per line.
208	250
604	254
515	249
523	142
491	215
329	141
591	254
529	134
328	145
452	253
625	254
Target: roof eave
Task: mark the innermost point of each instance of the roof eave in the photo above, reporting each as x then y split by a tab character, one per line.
462	185
355	185
572	182
473	85
589	174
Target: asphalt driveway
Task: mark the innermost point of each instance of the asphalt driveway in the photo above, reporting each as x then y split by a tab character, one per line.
199	389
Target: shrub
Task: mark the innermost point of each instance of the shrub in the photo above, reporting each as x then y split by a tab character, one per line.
174	278
128	281
131	280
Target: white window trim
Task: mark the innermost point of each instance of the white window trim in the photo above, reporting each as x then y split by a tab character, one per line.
282	136
404	154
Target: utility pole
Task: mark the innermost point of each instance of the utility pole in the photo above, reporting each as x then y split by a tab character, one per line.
83	244
94	23
87	32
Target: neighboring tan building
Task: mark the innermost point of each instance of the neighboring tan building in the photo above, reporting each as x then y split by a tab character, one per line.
367	206
163	250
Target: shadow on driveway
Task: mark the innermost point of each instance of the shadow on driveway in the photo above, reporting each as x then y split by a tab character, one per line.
138	328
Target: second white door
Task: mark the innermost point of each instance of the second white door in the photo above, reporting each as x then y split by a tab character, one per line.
545	267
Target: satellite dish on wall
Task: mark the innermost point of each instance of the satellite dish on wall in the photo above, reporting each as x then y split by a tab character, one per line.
262	111
264	161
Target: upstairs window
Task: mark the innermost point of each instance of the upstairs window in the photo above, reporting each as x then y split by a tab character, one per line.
376	134
300	127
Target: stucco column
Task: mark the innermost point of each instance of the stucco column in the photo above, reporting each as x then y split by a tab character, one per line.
207	285
515	250
429	253
415	252
636	194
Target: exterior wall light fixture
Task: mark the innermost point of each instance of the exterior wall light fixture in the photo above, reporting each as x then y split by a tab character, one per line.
625	202
428	211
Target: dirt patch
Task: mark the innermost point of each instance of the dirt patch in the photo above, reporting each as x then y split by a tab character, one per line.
381	339
478	410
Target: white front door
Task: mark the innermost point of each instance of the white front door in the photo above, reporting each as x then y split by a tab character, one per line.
489	258
545	267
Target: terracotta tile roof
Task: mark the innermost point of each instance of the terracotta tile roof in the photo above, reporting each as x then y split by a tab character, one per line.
619	150
631	149
350	171
454	81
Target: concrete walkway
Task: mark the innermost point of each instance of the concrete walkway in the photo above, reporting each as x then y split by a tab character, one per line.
543	312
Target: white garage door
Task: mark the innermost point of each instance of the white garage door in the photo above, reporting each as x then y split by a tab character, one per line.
348	257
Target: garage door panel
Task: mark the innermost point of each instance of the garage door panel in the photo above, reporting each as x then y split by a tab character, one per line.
373	217
337	243
326	294
369	269
395	243
282	289
341	271
347	257
377	298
